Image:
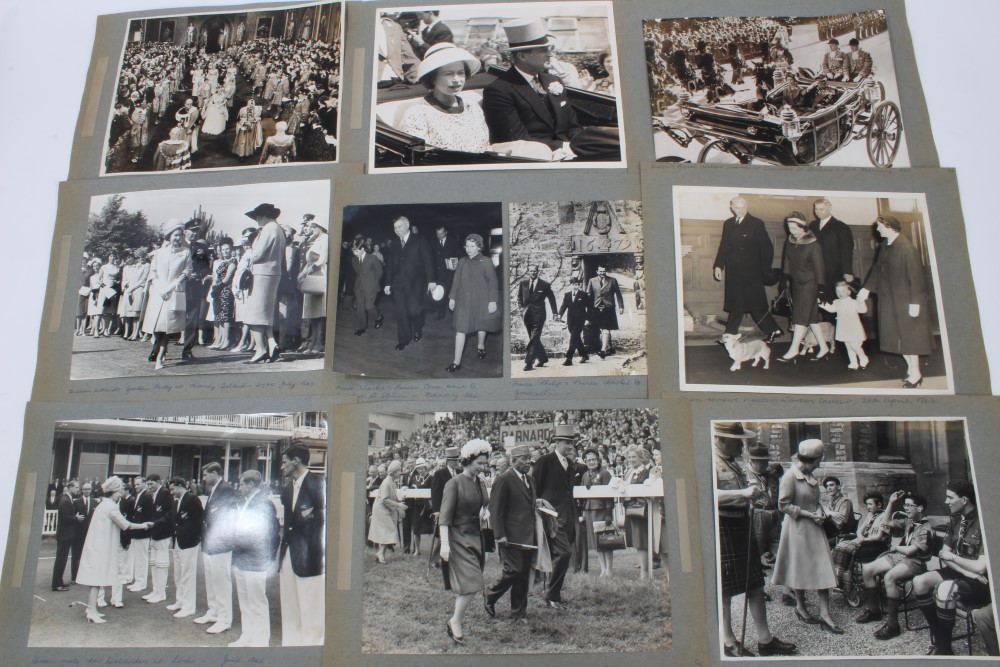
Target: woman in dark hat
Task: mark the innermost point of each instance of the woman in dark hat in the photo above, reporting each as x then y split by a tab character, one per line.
266	259
474	299
803	264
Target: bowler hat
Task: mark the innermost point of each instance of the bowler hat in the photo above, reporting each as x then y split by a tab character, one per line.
264	211
834	42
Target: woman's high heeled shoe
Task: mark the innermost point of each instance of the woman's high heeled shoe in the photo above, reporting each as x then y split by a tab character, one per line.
94	618
458	639
832	629
454	367
481	353
257	360
811	620
821	357
913	385
786	360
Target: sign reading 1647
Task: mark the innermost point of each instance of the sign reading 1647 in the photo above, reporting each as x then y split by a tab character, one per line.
604	244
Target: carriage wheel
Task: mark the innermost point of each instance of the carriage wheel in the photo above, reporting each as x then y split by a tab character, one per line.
715	152
885	133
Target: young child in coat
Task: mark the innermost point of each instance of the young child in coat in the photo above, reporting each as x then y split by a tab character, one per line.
849	328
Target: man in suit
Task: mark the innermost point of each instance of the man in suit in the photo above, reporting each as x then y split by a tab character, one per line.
66	529
512	515
367	278
859	61
302	551
216	549
746	254
553	474
837	243
447	251
409	276
577	306
604	293
159	539
532	294
439	478
140	511
834	66
527	103
186	521
85	504
434	32
255	549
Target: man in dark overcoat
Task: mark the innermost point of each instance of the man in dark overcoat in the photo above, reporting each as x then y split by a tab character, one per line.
512	515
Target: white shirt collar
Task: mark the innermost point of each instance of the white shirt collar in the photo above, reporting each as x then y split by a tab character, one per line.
530	78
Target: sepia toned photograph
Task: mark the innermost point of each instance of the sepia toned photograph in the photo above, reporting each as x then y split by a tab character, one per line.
786	91
227	89
577	289
800	291
496	86
203	280
196	531
516	532
850	538
418	292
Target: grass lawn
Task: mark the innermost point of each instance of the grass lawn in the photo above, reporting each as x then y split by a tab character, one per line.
406	606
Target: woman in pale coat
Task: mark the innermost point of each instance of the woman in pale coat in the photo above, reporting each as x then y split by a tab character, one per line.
165	301
804	561
386	512
266	258
99	560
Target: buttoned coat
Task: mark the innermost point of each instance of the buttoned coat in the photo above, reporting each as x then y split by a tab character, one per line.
515	111
304	527
746	254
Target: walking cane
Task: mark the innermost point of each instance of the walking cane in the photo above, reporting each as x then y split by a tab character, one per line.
746	590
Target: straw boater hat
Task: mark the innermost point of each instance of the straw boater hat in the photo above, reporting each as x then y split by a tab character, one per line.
527	34
263	210
446	53
732	430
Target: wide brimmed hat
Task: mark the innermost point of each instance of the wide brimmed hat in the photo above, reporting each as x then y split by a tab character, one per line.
812	448
527	34
263	210
446	53
732	430
758	450
451	452
565	433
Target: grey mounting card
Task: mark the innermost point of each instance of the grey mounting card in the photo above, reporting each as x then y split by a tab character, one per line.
694	316
871	444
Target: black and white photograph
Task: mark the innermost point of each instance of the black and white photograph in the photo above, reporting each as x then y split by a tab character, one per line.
418	291
849	538
203	280
227	89
496	86
516	532
191	531
788	91
808	291
577	289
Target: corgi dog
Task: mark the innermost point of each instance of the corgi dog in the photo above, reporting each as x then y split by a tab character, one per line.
756	350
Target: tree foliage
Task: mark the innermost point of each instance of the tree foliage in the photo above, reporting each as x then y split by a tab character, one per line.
116	229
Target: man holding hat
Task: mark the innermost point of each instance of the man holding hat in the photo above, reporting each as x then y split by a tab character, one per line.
441	477
528	103
553	474
738	555
834	65
512	515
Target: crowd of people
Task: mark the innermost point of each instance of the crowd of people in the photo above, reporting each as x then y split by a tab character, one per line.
505	123
826	298
806	532
264	296
123	537
863	24
422	276
289	113
476	488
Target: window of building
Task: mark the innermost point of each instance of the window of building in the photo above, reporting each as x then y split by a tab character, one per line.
94	459
128	460
158	460
391	438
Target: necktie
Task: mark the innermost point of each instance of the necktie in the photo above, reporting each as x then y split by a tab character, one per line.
532	285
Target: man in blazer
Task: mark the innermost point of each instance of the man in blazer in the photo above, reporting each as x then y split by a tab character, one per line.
859	61
746	254
216	549
532	294
409	276
159	538
66	529
186	521
85	505
605	294
301	557
140	511
837	243
576	305
553	474
367	279
512	514
255	547
447	251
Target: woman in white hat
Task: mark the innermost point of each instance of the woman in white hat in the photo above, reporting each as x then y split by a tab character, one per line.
442	118
166	303
804	561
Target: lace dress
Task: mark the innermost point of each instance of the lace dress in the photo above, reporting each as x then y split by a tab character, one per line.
463	129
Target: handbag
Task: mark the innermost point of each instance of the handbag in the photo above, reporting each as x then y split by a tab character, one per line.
314	283
610	538
618	514
636	509
246	281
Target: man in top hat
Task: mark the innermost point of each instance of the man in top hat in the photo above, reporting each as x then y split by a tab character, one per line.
527	103
441	477
553	474
834	65
532	294
576	305
512	515
859	61
409	275
739	558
